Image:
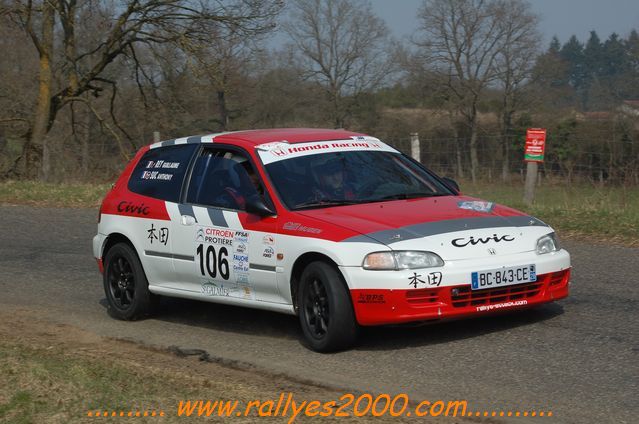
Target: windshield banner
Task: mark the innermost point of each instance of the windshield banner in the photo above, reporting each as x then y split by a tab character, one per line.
281	150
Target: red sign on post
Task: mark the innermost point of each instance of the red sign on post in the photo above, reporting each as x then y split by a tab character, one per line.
535	145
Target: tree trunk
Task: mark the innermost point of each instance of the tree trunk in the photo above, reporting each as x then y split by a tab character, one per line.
505	140
458	147
474	157
83	135
460	167
43	106
223	110
505	164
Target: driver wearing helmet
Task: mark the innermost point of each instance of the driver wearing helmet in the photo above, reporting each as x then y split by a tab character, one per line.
329	175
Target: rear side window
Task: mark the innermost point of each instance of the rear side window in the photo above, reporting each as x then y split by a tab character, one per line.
161	171
223	179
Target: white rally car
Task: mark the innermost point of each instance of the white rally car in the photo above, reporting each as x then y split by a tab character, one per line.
333	226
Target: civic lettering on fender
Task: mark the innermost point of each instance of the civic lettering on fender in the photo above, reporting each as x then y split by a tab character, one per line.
463	242
130	207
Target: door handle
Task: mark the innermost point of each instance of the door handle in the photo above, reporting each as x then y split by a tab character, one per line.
188	220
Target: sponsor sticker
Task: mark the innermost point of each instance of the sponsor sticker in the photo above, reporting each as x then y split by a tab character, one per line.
296	226
213	235
370	298
477	206
268	239
268	252
212	289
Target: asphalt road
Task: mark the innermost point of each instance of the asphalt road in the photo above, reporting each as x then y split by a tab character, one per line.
578	358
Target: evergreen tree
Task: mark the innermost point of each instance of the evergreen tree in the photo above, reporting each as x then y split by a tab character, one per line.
572	52
593	57
615	60
632	51
631	48
555	46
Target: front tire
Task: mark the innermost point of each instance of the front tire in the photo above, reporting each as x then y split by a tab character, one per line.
125	284
325	309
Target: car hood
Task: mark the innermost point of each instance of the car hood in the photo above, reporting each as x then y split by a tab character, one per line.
455	227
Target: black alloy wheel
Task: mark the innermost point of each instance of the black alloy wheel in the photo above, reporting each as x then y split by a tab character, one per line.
317	312
121	282
325	309
125	284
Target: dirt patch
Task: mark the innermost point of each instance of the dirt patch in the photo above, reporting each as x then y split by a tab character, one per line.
59	373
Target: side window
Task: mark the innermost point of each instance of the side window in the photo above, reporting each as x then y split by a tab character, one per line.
161	171
223	179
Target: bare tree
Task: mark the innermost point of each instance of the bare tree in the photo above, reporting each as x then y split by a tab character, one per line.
343	46
461	40
128	25
224	65
519	50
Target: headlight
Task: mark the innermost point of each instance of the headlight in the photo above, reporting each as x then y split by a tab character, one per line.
401	259
547	244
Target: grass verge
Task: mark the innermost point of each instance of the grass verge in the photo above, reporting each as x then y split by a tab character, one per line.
55	373
34	193
600	214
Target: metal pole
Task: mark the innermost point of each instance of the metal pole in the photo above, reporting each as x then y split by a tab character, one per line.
156	136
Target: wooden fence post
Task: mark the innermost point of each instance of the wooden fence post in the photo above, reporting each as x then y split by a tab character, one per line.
414	147
529	186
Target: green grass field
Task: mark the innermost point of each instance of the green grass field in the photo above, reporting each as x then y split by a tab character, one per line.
606	214
52	195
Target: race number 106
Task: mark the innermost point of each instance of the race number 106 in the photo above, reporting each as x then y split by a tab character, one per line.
212	262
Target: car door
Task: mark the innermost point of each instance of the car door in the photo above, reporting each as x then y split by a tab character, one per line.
154	185
220	250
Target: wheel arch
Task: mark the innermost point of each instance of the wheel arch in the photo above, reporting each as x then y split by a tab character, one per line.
298	268
115	238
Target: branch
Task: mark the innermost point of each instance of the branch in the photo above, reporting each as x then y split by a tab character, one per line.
4	120
114	93
103	123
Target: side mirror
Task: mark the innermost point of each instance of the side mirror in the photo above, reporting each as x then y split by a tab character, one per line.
452	184
256	206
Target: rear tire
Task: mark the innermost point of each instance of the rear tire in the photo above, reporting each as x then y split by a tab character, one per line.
125	284
325	309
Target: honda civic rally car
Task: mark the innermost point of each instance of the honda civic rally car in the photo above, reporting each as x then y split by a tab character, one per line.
333	226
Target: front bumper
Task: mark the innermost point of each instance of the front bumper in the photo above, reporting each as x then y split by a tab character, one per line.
378	306
390	297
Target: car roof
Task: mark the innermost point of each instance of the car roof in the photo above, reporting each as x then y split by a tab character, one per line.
251	138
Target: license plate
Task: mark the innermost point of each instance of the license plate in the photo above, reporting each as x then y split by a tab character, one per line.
503	277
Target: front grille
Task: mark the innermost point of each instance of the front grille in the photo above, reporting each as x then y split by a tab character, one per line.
422	296
464	296
467	297
557	277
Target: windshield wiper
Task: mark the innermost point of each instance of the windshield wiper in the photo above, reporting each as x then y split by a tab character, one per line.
326	203
413	195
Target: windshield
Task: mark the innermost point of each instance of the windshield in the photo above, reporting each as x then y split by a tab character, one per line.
350	177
